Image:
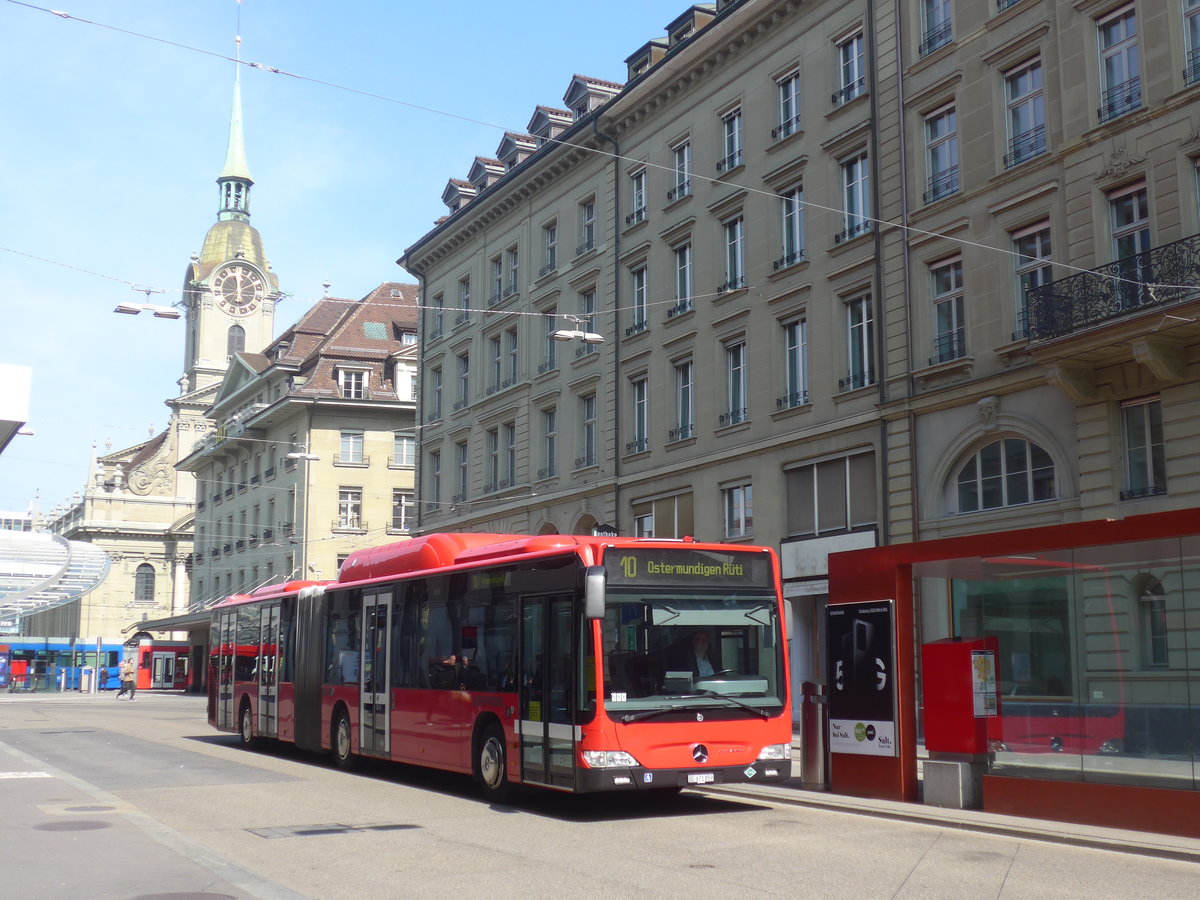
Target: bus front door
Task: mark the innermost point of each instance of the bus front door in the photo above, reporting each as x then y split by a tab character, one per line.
162	670
547	731
227	635
268	665
375	718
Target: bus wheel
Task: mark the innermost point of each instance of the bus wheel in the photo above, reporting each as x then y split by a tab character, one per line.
491	766
246	727
339	741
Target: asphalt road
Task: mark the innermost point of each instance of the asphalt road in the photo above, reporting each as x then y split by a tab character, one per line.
109	799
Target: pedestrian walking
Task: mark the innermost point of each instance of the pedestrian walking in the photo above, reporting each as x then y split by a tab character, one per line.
127	674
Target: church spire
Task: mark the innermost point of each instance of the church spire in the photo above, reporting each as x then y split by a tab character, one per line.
234	180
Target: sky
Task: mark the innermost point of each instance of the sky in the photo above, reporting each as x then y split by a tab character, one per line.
113	129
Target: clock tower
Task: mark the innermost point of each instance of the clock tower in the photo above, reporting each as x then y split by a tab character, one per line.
229	290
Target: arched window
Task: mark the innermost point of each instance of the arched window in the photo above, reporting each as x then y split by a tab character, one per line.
143	584
236	341
1007	472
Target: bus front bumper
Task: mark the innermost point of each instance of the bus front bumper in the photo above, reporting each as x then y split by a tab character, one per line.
760	771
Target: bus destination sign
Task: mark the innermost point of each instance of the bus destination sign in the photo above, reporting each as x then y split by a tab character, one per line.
678	565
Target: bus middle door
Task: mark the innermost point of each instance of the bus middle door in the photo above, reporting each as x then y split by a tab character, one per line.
375	714
547	691
227	636
268	666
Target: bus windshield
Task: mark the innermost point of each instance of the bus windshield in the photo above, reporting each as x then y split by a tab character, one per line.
714	653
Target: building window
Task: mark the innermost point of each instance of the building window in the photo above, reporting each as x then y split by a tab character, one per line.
497	266
1191	27
1025	106
550	347
852	73
143	584
439	315
509	472
789	105
462	471
1145	453
860	343
735	384
643	525
941	154
938	26
404	449
664	517
791	209
464	381
640	399
795	364
549	467
464	299
731	141
637	197
513	261
836	495
685	422
402	507
856	198
587	226
683	280
549	248
512	358
1007	472
350	508
682	167
494	363
1152	605
435	477
235	340
435	394
587	442
949	312
492	440
587	315
352	383
1032	247
1129	211
738	503
641	311
1120	68
735	254
351	448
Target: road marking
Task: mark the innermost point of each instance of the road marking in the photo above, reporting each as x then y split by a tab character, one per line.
25	775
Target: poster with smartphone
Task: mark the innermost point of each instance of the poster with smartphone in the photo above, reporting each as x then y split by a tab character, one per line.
862	683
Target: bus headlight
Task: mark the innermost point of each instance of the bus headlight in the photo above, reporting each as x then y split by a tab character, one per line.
776	751
608	759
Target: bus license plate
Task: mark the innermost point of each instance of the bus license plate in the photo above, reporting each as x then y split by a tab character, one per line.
701	778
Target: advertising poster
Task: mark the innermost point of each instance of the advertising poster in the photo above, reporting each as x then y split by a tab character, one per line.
983	684
862	690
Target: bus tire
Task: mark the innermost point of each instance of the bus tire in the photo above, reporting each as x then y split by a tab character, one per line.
340	744
246	727
491	764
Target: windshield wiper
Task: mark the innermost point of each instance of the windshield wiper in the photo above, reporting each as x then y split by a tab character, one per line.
649	713
757	710
659	710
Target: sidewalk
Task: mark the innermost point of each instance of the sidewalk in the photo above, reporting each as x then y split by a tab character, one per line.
1145	843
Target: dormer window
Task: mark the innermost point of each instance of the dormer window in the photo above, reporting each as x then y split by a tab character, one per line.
352	383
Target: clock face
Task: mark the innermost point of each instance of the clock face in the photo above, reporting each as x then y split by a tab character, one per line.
239	289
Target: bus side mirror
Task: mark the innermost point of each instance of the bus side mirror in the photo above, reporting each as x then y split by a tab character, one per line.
593	592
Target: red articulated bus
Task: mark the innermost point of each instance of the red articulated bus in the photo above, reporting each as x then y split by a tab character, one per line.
567	662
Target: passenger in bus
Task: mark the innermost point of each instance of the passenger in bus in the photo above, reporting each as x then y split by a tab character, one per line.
700	657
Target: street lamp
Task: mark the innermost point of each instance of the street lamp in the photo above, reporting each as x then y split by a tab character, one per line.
160	312
576	333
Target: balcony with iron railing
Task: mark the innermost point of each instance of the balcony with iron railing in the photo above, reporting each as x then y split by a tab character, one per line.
792	400
1120	99
854	228
349	523
1025	146
786	128
681	190
637	445
949	346
1191	75
1147	281
681	433
856	380
682	306
547	472
732	283
734	417
942	184
730	162
937	36
789	259
849	91
638	215
639	325
586	247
